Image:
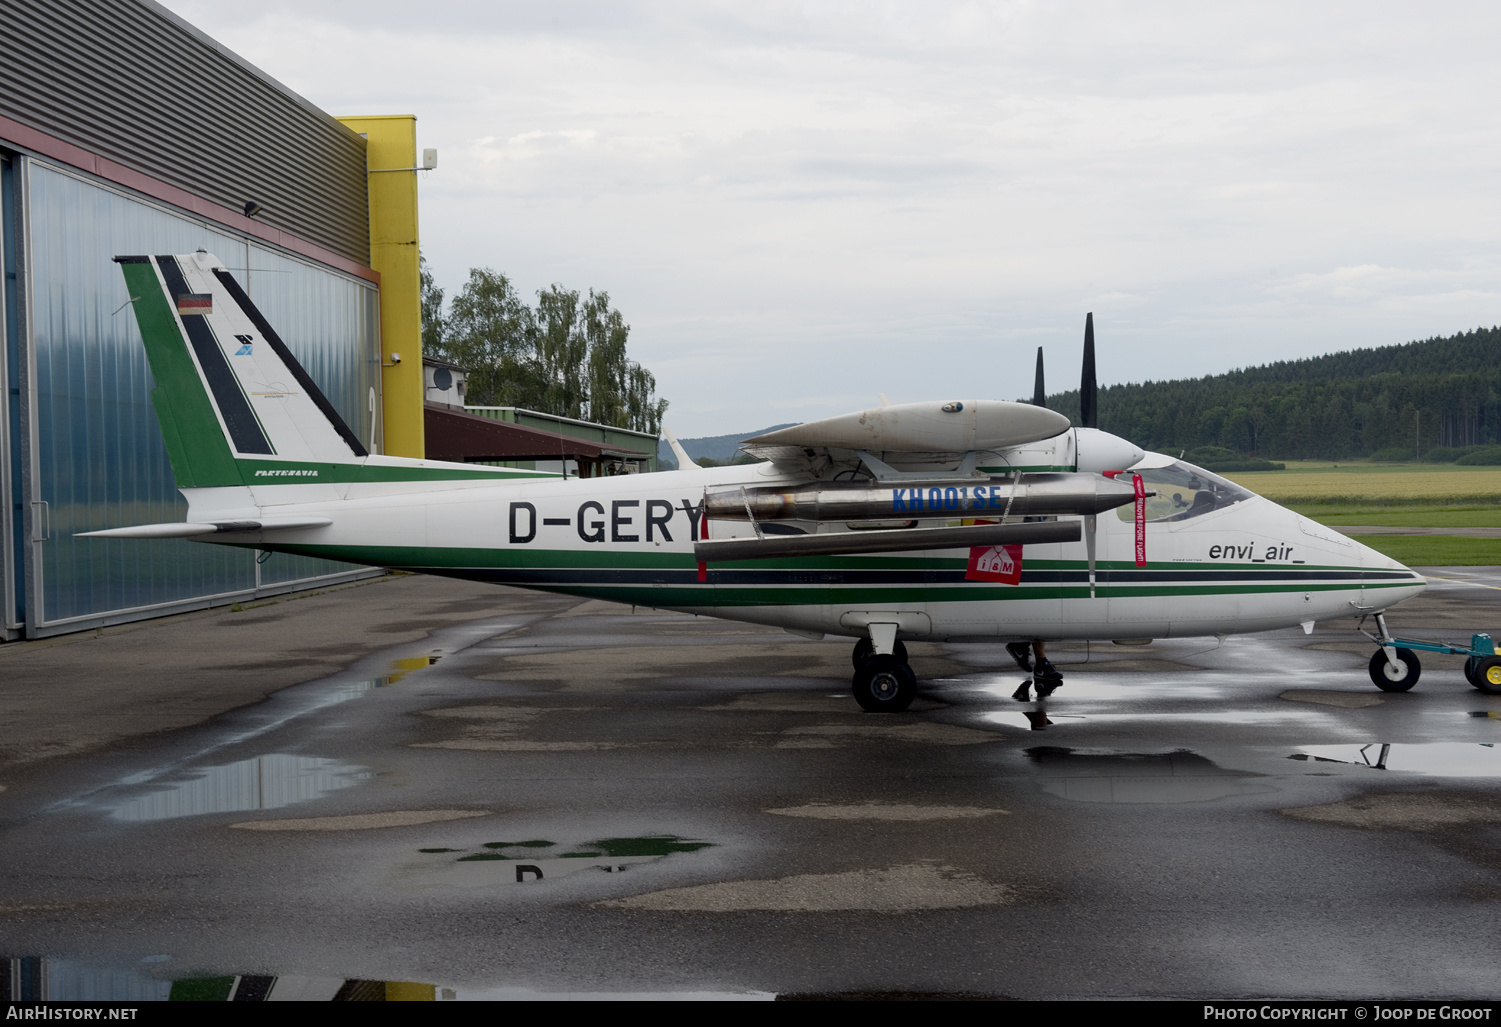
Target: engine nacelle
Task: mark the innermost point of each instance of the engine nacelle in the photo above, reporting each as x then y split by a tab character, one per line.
1100	451
1078	449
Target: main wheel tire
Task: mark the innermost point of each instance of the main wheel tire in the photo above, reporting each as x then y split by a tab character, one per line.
1401	679
1487	675
884	684
865	649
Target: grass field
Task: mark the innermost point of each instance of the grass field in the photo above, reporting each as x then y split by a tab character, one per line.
1376	485
1411	515
1436	550
1394	495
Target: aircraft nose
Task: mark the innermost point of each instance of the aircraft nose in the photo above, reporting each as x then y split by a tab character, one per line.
1387	573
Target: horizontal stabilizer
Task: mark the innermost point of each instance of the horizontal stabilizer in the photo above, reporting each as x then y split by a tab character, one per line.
189	530
901	540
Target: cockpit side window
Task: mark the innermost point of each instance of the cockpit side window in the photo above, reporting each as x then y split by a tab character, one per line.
1183	491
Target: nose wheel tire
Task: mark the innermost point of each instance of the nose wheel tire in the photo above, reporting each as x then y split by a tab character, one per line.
1403	676
1486	675
865	649
884	684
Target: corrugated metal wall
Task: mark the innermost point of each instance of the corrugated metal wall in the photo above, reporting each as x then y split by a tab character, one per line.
189	113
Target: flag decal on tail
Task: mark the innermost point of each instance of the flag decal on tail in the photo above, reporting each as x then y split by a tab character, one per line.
244	427
195	303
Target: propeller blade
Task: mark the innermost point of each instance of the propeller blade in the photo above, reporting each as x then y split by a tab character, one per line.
1089	389
1039	391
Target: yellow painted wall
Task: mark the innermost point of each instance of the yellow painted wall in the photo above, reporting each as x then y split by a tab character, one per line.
392	143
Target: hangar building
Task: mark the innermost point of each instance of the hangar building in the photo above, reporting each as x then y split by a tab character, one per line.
123	129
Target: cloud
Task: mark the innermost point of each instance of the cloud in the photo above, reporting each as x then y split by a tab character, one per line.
899	197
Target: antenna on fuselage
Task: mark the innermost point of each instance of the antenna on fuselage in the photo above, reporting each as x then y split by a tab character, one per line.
1089	389
684	460
1039	390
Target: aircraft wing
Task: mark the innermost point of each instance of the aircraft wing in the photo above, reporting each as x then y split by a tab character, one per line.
906	434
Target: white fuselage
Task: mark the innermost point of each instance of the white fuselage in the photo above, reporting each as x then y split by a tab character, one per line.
1251	566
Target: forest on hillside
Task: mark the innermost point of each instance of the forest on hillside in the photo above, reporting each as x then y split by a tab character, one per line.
1437	399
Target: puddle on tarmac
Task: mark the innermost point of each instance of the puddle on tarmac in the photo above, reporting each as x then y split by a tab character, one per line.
1132	687
1437	759
1029	720
1091	775
265	782
399	669
52	979
1041	718
527	862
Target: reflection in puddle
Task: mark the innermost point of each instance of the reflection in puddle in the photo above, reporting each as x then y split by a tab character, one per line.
266	782
401	668
1133	687
1030	720
280	709
45	978
1440	759
540	860
1172	777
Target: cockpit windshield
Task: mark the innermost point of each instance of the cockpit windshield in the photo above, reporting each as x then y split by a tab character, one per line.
1183	491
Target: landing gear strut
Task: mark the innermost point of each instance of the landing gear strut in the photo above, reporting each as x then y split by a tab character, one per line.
865	649
883	682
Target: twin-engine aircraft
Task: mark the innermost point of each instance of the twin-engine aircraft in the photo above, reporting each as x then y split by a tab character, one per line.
964	520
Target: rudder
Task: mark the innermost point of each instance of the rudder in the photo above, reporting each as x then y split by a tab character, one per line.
228	391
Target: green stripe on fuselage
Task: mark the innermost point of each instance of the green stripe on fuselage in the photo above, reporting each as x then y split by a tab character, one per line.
492	565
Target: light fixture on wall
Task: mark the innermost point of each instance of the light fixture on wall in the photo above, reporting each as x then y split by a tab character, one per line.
252	208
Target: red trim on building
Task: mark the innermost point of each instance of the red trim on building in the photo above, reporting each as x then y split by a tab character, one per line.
50	146
456	435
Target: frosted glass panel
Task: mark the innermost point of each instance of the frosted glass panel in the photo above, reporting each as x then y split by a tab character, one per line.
102	460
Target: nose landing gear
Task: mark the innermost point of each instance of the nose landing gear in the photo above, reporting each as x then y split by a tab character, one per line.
1395	668
1398	677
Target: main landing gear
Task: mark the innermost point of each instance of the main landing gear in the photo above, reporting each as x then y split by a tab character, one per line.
883	683
1395	667
865	649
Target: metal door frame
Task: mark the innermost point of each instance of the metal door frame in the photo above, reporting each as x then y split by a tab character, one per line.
12	528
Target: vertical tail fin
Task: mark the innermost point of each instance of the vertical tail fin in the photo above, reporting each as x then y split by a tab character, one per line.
229	395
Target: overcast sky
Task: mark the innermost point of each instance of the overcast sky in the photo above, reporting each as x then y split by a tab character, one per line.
799	205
